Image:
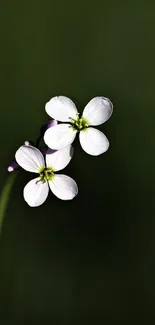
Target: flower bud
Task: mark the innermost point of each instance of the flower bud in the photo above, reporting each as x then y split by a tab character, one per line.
47	151
48	125
27	143
13	166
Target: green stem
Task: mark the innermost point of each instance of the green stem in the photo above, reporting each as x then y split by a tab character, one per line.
5	196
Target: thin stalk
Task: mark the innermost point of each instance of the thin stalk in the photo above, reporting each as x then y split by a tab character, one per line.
4	198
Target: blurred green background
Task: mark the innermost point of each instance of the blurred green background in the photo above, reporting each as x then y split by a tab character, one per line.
91	260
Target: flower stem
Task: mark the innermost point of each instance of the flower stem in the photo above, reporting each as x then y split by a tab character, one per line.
38	141
5	196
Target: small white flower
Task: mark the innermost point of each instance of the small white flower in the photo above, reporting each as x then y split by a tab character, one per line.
36	191
96	112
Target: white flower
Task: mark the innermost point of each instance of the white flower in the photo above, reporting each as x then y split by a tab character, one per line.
96	112
36	191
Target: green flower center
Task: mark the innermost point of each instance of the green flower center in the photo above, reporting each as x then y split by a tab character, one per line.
45	174
79	124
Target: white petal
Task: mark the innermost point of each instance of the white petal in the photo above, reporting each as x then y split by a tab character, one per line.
61	108
35	192
98	110
59	136
59	159
29	158
93	141
64	187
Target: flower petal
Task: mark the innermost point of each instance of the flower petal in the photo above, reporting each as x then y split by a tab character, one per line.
60	158
64	187
61	108
35	192
98	110
59	136
29	158
93	141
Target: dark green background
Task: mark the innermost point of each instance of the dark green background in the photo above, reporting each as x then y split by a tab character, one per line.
91	260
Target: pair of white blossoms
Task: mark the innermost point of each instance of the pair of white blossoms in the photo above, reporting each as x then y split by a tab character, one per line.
59	138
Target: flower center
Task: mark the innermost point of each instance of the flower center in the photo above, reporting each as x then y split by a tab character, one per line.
79	124
46	174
